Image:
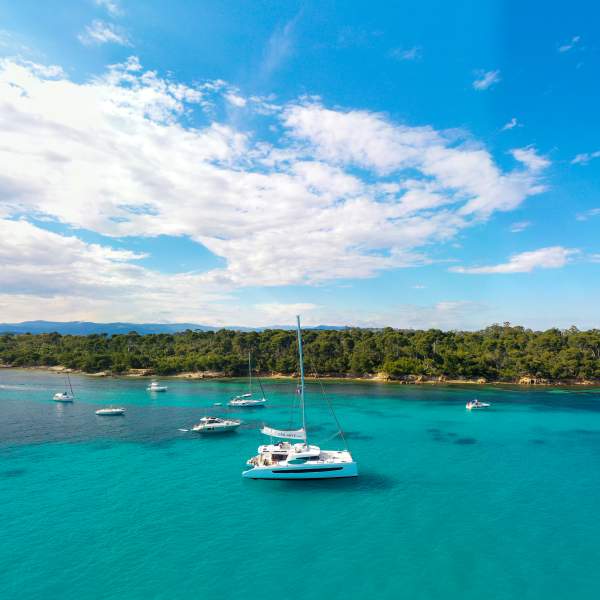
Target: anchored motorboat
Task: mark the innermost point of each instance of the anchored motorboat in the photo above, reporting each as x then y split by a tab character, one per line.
156	387
472	404
65	396
111	411
300	460
216	425
248	400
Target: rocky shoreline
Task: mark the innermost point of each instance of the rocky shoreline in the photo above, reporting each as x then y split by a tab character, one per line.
525	381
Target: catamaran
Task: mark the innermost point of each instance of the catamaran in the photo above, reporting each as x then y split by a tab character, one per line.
300	460
248	400
65	396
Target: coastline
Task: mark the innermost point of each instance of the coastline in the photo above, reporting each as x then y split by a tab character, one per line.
380	378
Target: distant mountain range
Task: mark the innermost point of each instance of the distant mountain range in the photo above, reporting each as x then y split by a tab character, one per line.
87	328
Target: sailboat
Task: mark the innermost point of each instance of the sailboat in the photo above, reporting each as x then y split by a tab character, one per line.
65	396
248	400
300	460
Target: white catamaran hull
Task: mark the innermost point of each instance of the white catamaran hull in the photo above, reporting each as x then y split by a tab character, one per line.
326	471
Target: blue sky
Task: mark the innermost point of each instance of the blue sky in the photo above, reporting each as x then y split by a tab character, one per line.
425	164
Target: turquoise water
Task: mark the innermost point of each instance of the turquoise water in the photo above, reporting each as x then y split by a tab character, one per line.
498	504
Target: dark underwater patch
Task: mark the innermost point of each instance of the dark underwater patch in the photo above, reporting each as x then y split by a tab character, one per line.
13	473
357	435
585	431
466	441
537	441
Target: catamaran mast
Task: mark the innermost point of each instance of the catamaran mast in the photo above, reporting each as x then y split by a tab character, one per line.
301	359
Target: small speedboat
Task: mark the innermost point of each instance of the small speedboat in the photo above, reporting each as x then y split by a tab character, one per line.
156	387
472	404
247	401
216	425
111	411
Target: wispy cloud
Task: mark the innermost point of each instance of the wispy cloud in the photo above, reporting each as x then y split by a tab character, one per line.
570	45
280	47
236	99
100	32
519	226
530	158
585	157
111	6
414	53
511	124
553	257
588	214
486	79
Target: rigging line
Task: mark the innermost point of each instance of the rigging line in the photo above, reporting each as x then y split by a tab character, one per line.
330	406
260	384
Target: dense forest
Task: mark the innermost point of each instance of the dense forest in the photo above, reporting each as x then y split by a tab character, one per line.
498	353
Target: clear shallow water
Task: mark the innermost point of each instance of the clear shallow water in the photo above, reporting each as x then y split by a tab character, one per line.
498	504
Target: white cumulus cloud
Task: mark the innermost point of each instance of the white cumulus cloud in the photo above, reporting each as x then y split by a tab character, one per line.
340	194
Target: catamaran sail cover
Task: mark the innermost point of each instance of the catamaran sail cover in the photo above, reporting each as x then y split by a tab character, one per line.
297	434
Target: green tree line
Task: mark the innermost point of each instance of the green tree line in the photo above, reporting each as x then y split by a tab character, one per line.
499	352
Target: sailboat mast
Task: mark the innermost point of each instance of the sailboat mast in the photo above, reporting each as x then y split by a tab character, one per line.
250	370
301	359
70	386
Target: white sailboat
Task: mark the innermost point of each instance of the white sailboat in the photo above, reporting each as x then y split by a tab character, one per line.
65	396
299	460
248	400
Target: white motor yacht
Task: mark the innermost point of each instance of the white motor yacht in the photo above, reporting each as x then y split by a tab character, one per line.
216	425
301	460
473	404
156	387
111	411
